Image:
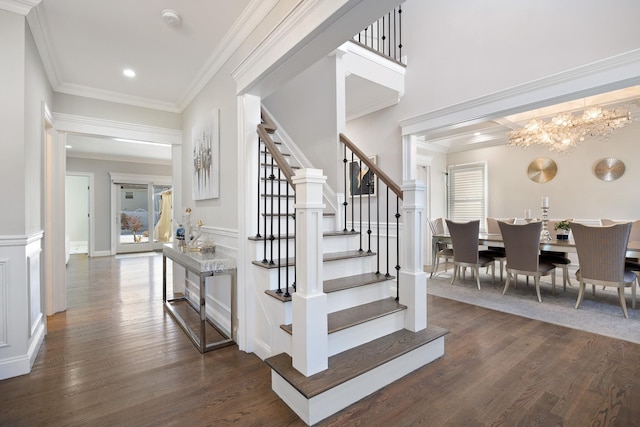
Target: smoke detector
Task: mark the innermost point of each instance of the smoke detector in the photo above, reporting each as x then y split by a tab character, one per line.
171	17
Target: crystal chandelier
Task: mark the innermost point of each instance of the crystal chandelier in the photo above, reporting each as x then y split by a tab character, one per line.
566	130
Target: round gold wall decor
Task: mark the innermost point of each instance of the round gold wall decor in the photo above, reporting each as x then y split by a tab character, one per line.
542	170
609	169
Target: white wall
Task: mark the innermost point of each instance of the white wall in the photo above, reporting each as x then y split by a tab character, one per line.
77	208
459	51
102	190
575	192
305	107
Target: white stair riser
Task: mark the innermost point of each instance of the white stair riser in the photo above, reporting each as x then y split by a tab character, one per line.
330	244
352	297
279	206
278	186
327	224
363	333
330	402
347	267
268	278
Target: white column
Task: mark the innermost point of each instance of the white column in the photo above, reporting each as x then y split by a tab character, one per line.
412	278
310	339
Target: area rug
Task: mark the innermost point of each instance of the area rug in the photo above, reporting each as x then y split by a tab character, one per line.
601	314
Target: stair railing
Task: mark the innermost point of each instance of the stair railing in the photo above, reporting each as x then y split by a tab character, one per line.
384	36
272	194
369	183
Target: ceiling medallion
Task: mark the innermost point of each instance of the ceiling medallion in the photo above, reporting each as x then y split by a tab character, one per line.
542	170
609	169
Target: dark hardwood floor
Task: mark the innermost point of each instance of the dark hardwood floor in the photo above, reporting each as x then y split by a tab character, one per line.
115	358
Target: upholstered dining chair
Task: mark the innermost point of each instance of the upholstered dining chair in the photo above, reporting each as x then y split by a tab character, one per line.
634	235
522	242
601	255
497	252
443	250
464	239
559	259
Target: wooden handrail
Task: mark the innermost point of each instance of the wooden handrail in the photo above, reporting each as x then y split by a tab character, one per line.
275	153
372	166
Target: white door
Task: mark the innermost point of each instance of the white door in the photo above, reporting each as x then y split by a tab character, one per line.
77	213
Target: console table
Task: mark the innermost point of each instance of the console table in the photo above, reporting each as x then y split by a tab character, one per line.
203	266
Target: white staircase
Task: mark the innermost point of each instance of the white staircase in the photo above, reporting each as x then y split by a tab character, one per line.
366	344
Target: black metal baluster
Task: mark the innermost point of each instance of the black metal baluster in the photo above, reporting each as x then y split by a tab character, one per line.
369	185
378	226
272	177
258	213
395	56
384	35
295	247
387	275
353	217
345	204
264	259
279	291
360	200
400	32
397	248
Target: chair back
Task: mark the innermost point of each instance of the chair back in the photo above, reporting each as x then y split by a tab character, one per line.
437	226
492	224
522	244
601	250
464	239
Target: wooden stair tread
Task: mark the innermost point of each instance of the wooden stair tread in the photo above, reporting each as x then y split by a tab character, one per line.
333	256
325	234
291	214
348	282
353	316
353	362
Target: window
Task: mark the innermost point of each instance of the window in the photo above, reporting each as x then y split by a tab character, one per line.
467	195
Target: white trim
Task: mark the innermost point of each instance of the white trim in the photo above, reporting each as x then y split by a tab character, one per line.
4	301
40	33
611	73
113	158
132	178
115	129
21	7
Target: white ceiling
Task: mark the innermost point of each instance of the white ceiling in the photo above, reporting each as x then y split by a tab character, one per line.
85	46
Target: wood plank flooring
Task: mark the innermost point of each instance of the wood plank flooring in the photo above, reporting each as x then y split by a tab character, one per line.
115	358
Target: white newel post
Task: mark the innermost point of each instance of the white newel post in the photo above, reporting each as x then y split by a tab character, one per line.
412	278
310	339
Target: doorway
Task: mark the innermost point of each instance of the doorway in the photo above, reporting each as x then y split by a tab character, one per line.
78	212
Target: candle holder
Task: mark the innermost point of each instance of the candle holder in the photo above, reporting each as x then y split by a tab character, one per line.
544	234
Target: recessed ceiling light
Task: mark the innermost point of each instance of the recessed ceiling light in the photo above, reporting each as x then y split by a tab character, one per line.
129	72
68	146
477	134
171	17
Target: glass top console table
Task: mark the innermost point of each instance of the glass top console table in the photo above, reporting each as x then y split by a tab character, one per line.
203	266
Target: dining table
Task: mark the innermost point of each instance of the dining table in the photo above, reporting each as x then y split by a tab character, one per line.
552	244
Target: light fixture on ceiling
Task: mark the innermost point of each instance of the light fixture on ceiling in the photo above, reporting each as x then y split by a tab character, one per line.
566	130
129	72
171	17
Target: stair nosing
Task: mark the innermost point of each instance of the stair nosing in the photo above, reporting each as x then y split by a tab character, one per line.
332	256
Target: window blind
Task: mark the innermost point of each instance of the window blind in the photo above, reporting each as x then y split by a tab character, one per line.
467	196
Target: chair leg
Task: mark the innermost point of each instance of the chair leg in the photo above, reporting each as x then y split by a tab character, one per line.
536	279
506	284
580	294
455	273
633	294
436	266
477	273
623	303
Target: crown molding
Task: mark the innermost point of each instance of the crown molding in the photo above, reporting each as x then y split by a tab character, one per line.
41	36
238	33
114	158
111	128
615	72
120	98
21	7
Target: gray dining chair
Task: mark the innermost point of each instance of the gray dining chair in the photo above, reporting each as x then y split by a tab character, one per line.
442	249
522	243
497	252
464	239
601	255
559	259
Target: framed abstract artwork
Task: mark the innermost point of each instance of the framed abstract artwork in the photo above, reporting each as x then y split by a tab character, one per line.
205	137
362	181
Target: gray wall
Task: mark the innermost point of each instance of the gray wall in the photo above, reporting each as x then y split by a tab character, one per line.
102	189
